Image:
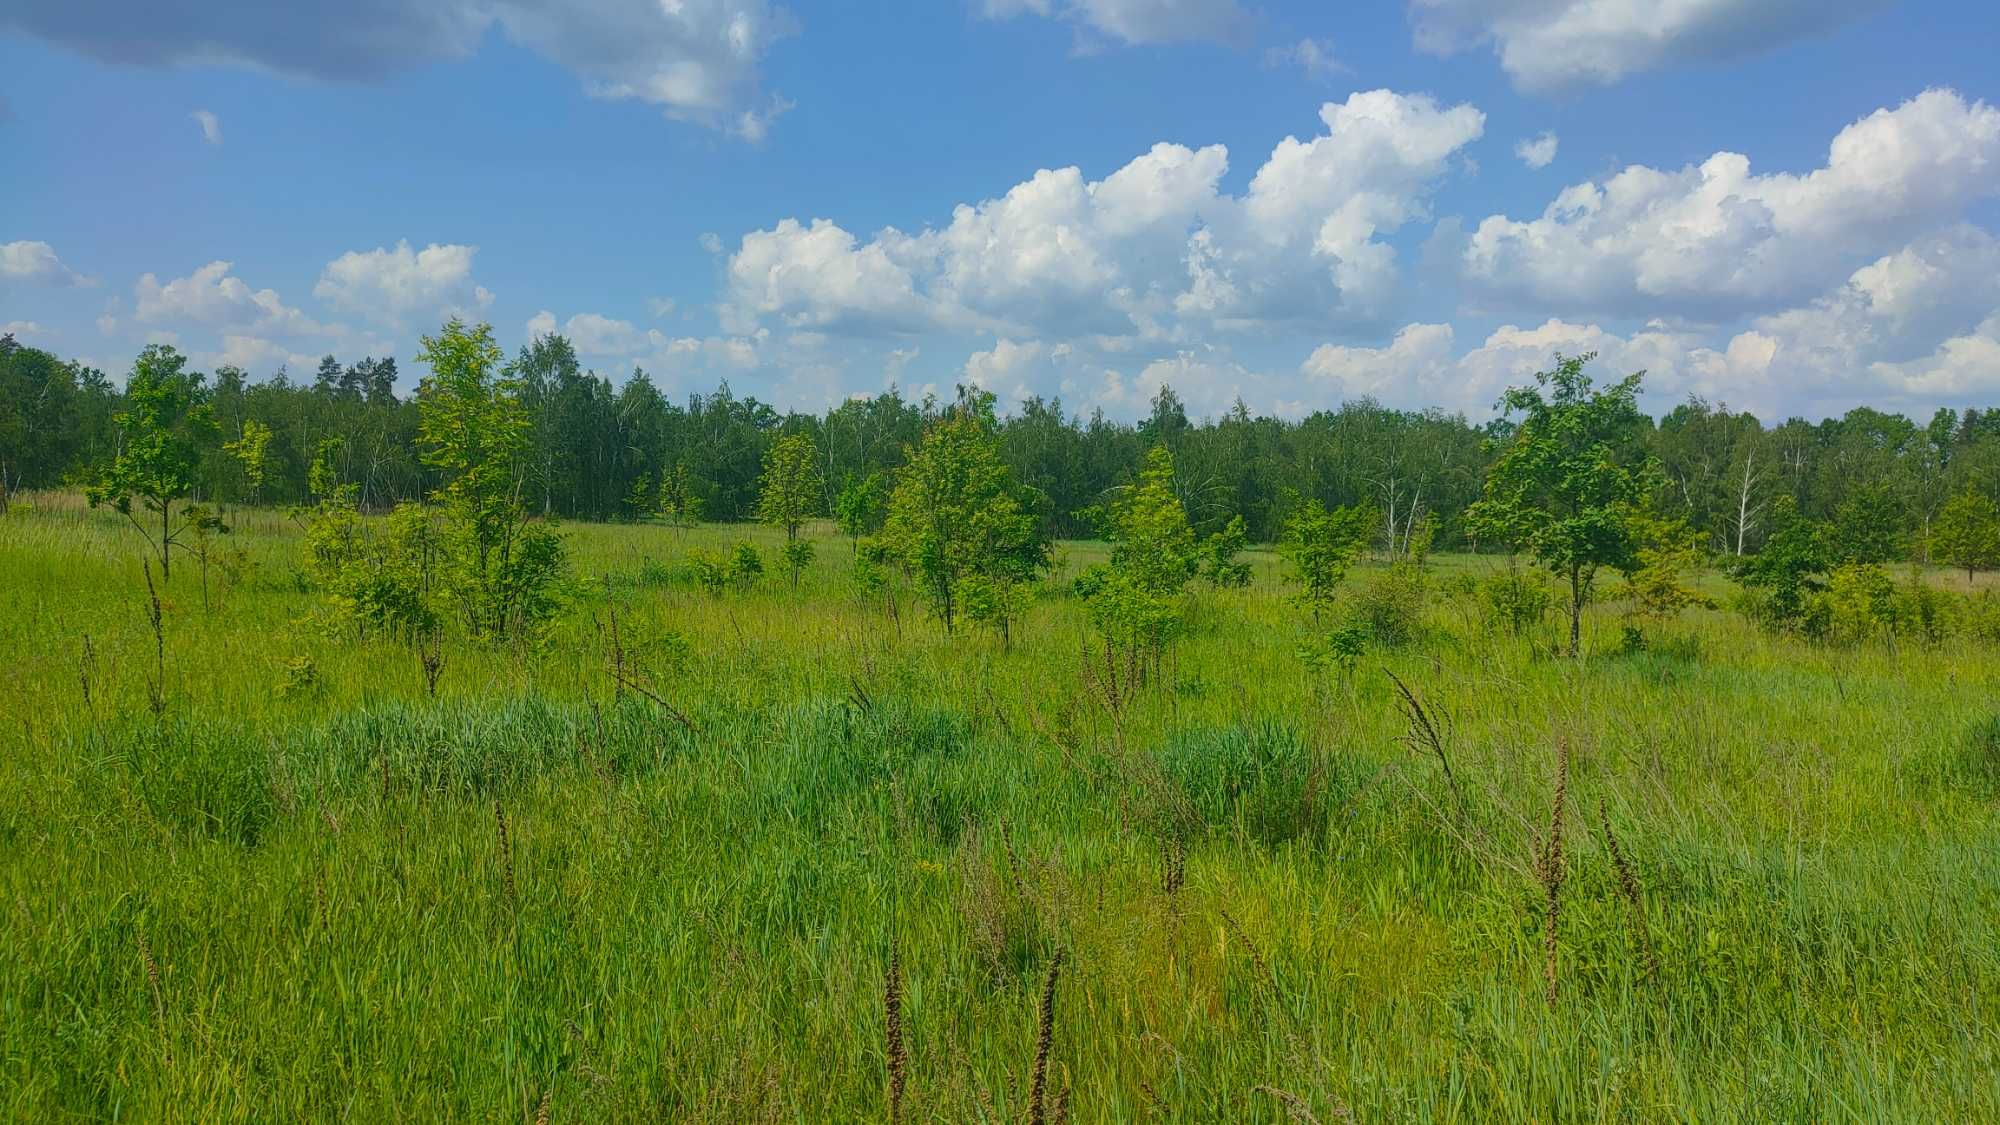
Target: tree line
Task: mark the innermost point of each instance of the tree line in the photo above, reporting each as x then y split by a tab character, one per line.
1877	482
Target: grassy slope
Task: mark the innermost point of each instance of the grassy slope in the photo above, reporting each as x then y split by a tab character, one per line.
699	922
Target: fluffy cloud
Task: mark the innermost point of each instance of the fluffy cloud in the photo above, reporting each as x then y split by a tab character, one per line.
1014	370
1209	383
593	334
1960	370
213	296
1154	249
1553	44
695	59
818	276
36	263
1915	329
1420	356
1709	241
1537	152
1138	21
254	353
211	126
389	284
1208	379
601	335
1422	367
707	353
20	328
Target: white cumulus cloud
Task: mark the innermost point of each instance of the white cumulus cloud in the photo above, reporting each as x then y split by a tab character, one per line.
1713	240
213	296
388	284
1154	249
1537	152
36	263
211	126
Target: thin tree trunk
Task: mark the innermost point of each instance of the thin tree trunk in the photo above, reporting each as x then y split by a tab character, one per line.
1743	502
1575	612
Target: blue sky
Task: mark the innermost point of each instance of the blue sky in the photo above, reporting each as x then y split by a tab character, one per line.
1783	205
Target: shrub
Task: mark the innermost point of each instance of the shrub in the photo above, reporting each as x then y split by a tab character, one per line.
1219	564
746	566
1859	604
1334	651
1979	616
1390	610
1658	585
798	555
1924	610
1782	581
1519	599
707	570
1320	546
301	677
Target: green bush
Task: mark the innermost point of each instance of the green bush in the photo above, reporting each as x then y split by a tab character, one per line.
707	570
746	566
1518	599
1859	604
1390	610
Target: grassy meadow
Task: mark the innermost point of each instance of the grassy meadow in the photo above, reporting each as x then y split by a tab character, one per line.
302	888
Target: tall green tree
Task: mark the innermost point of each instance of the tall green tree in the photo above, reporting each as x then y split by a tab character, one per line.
1138	600
1867	526
1319	546
40	430
680	497
790	492
790	484
252	452
503	566
1566	484
956	517
860	506
1967	533
164	429
1790	571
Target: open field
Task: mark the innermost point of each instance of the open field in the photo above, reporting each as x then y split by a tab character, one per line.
307	890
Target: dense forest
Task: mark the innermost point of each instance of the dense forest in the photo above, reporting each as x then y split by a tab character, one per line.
601	451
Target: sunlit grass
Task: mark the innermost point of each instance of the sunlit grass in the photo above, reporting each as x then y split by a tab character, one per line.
702	919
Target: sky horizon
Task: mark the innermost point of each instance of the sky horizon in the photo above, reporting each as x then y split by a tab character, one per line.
1787	207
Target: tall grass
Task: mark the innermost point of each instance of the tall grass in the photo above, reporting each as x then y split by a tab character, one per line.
538	895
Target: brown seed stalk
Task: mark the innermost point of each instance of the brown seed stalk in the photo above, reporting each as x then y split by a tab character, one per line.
897	1052
1038	1086
1552	868
1295	1106
506	855
1628	886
